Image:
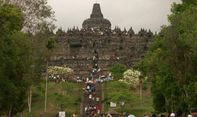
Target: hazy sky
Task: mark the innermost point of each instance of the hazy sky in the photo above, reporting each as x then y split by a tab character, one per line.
148	14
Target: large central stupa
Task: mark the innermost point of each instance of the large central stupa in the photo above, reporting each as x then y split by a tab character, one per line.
96	20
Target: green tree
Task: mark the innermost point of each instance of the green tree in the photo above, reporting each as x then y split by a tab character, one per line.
10	20
117	70
171	61
36	13
135	79
14	61
38	20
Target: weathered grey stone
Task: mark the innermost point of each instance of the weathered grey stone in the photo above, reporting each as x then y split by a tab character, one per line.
76	47
96	20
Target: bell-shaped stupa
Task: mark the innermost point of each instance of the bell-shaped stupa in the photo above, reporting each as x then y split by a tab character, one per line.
96	20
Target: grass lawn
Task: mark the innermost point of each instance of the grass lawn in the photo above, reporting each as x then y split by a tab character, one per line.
64	96
118	92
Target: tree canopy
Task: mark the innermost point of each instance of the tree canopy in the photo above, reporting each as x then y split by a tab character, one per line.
37	14
14	61
171	62
118	70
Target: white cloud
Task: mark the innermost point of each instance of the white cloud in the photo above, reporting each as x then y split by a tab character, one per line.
149	14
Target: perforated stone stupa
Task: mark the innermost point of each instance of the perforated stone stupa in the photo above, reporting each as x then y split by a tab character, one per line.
96	20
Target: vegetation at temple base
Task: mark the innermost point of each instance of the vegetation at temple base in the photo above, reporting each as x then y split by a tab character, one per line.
57	70
117	70
132	77
63	96
171	62
119	92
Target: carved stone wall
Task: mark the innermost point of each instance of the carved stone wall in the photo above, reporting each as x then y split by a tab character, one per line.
76	47
76	50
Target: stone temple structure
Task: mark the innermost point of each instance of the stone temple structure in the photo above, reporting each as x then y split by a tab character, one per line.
76	47
96	19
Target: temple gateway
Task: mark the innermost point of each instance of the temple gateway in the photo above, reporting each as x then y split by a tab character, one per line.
77	47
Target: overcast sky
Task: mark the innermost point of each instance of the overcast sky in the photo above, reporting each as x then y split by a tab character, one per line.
148	14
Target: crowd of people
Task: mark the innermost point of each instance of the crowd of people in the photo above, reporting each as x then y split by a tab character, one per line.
92	105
